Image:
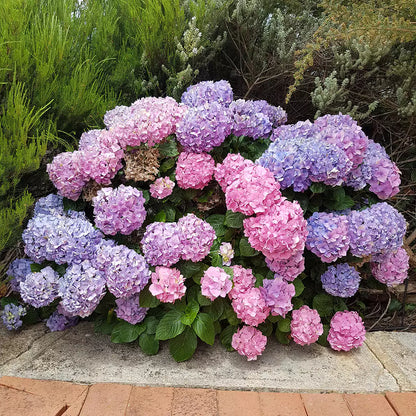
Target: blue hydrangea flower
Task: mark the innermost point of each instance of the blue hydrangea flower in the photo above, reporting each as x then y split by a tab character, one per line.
59	322
11	316
18	270
208	92
51	204
341	280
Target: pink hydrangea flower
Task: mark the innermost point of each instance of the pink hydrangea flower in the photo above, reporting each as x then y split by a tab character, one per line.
215	283
255	191
346	331
306	326
243	280
278	233
290	268
194	170
228	171
251	307
167	284
227	253
391	268
385	178
249	341
161	187
278	295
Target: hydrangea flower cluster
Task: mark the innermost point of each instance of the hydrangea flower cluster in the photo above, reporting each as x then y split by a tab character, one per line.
230	169
306	326
249	341
243	280
328	236
391	267
59	322
119	210
167	284
278	295
346	331
251	307
52	204
11	316
18	270
215	283
208	92
194	170
290	268
161	188
41	288
341	280
130	310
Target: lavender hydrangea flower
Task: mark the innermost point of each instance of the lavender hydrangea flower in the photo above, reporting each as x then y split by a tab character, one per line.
203	128
278	295
81	289
18	270
59	322
161	244
341	280
41	288
51	204
375	230
119	210
11	316
130	310
391	267
208	92
328	236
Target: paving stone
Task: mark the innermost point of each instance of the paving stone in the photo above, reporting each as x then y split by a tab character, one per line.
194	402
403	403
150	401
280	368
397	352
106	399
75	407
369	405
325	405
239	403
282	404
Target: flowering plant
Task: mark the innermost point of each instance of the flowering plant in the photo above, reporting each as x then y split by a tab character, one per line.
183	221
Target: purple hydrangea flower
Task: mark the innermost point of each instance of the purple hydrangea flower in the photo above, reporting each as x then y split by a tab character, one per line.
203	128
130	310
341	280
41	288
328	236
81	289
18	270
51	204
119	210
208	92
278	295
59	322
11	315
290	268
161	244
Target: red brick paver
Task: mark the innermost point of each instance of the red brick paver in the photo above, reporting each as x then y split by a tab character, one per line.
150	401
194	402
282	404
369	405
403	403
325	405
238	403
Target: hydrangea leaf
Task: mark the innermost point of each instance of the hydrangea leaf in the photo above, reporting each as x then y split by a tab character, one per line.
266	328
234	219
168	148
190	313
125	332
183	346
324	304
299	287
282	337
170	325
226	336
149	344
217	222
245	248
204	328
147	300
284	325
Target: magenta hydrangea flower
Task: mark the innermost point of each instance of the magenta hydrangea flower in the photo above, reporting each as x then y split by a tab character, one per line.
119	210
227	253
243	280
59	322
290	268
167	284
250	306
346	331
278	295
328	236
255	191
64	172
194	170
306	326
341	280
279	233
41	288
249	341
215	283
18	270
161	188
162	244
229	170
391	268
208	92
203	128
196	237
130	310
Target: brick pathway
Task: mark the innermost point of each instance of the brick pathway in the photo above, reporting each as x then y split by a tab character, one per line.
25	397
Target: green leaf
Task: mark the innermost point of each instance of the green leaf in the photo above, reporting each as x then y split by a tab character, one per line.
234	219
297	303
232	317
168	149
284	325
245	248
216	260
160	216
266	328
151	323
322	340
31	317
324	304
149	344
191	311
204	328
170	214
340	305
202	300
8	300
318	188
282	337
259	279
166	165
102	326
226	336
170	325
35	268
190	269
217	222
124	332
147	300
299	286
183	346
216	308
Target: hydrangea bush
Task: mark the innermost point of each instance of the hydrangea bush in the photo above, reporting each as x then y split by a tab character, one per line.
185	221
